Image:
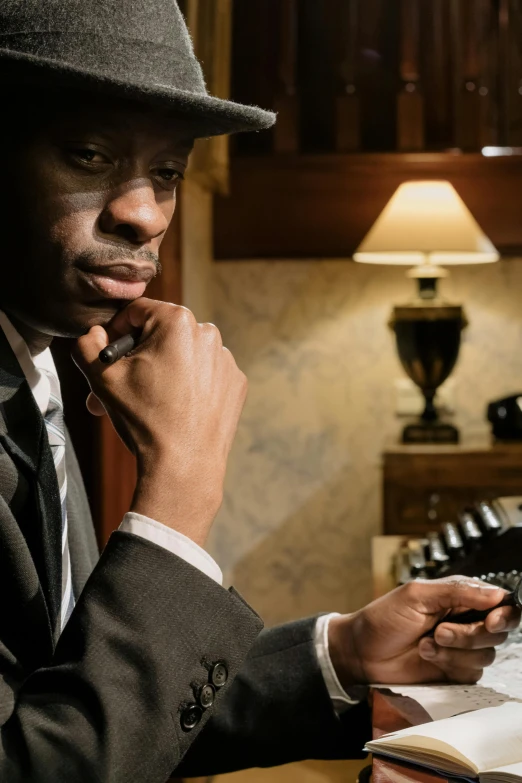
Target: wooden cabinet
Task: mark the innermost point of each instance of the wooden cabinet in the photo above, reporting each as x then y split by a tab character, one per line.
321	206
377	76
426	485
370	94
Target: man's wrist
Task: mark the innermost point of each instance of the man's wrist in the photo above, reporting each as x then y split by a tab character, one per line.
342	631
186	506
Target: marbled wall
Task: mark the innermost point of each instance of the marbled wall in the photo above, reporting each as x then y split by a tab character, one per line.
303	486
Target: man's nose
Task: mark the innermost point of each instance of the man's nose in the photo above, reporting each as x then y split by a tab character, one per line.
134	214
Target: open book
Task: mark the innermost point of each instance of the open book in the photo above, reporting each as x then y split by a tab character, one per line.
485	743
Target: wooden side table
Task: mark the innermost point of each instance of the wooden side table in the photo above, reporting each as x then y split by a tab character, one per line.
426	481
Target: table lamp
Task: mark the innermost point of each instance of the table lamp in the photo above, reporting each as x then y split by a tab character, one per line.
427	225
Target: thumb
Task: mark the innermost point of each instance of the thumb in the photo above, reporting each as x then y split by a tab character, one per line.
88	346
437	596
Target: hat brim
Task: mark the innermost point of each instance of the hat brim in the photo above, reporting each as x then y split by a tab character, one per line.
210	116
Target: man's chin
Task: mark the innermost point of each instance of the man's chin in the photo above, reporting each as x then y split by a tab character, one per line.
73	324
95	317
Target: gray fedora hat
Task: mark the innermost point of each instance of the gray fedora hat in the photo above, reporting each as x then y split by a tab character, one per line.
139	49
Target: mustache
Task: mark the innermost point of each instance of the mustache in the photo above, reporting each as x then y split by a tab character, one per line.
114	255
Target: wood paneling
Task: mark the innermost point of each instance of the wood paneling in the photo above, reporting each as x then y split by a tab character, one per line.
410	101
381	76
510	76
317	75
437	69
347	104
286	132
255	52
321	206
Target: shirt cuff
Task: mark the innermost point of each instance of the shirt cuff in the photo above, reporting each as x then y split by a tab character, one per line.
172	540
341	699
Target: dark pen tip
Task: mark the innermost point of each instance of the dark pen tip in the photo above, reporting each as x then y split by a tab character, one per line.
108	355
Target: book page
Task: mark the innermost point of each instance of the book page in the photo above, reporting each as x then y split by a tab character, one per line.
444	701
429	752
510	772
488	738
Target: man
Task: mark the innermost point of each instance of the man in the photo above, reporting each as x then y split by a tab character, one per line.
141	664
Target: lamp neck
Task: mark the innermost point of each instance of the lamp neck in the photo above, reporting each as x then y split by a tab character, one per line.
428	287
427	275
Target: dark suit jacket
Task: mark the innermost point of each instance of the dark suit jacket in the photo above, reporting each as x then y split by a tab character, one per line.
105	701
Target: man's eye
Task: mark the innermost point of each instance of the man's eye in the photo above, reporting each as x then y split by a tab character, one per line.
86	155
171	176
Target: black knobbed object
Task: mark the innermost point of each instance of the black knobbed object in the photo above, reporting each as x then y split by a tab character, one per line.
119	348
477	615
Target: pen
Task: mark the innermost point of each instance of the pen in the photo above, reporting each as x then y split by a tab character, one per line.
120	347
477	615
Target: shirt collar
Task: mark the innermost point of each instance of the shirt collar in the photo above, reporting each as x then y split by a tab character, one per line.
35	368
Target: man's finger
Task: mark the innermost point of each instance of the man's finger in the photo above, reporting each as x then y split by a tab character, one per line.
449	658
467	637
88	346
438	595
464	676
137	314
506	618
133	316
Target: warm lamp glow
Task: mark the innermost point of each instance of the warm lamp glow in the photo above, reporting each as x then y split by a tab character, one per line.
426	223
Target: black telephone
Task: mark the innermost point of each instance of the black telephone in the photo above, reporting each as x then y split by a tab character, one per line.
506	417
485	541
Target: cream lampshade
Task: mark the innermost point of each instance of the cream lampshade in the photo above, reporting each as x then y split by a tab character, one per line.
427	225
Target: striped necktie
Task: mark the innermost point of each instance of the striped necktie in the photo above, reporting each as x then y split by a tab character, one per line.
56	432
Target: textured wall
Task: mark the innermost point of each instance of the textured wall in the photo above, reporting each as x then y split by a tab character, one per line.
303	486
196	249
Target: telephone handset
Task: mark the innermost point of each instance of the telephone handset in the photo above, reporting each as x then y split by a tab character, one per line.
506	417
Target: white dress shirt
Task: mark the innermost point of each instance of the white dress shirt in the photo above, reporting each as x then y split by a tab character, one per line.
156	532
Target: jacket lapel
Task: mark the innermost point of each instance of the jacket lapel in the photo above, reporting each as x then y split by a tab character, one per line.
25	627
24	438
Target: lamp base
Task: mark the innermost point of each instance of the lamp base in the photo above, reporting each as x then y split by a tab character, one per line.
430	432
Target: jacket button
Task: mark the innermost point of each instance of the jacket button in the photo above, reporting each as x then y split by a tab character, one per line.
206	696
190	717
218	675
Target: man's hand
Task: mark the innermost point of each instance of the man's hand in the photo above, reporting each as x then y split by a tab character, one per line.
176	402
384	641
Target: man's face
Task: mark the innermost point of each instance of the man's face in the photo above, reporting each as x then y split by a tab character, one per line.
87	201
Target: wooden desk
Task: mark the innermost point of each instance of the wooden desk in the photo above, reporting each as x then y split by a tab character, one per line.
391	712
426	485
